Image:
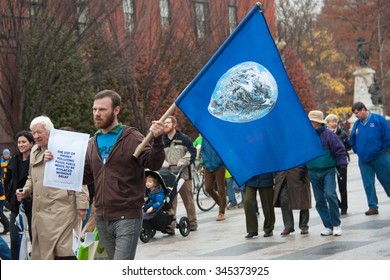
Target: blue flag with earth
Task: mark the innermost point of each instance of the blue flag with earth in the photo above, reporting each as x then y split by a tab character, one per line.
243	103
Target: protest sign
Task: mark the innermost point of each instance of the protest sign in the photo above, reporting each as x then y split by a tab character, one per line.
66	169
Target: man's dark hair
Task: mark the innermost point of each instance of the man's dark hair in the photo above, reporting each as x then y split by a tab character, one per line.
115	97
358	106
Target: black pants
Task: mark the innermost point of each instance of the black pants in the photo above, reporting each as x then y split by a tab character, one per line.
287	214
342	183
250	205
3	218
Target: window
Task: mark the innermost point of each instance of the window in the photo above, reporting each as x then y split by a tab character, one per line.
201	18
164	12
33	7
82	14
232	18
129	14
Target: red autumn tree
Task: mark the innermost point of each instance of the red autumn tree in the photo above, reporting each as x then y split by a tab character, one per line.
299	78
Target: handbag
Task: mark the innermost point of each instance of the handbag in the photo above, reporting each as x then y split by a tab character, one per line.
90	248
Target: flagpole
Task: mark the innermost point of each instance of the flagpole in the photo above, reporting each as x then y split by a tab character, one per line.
149	137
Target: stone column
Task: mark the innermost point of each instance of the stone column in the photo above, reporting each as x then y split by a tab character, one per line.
364	78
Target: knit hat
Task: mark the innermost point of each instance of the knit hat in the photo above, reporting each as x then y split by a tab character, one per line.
316	116
6	151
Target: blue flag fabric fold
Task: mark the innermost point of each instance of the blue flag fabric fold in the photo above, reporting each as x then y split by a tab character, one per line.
243	103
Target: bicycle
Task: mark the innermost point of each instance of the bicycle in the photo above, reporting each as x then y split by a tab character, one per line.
204	201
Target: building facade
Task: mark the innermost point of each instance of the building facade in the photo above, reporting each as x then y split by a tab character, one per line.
126	21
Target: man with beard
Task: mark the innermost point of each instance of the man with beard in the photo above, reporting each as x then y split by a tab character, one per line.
179	152
119	177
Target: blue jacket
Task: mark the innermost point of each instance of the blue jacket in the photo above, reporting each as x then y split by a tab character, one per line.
155	197
261	181
335	154
370	138
211	160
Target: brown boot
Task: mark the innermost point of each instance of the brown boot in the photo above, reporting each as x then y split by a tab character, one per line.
287	231
372	211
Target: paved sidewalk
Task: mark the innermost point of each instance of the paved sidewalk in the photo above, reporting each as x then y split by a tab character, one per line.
364	237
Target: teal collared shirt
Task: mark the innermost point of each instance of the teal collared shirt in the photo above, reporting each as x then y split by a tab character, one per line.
106	141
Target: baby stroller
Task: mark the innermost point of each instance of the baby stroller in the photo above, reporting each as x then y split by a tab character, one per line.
162	217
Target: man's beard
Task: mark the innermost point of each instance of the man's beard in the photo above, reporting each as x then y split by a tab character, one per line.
168	130
105	124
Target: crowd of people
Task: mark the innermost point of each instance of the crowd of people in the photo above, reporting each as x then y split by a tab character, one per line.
122	195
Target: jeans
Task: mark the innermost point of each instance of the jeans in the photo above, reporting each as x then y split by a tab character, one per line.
324	188
380	167
4	249
231	192
120	237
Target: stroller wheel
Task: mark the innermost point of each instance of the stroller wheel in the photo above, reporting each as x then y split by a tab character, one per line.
184	226
146	233
152	233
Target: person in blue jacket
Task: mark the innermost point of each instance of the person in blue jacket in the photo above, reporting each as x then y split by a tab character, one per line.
322	174
262	184
214	174
154	196
370	140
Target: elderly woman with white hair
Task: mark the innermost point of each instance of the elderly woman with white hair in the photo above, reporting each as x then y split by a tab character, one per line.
55	211
332	124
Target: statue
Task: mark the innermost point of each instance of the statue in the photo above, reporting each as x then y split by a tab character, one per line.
374	91
361	52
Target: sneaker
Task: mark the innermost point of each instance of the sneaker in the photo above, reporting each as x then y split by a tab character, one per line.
326	232
231	206
337	231
372	211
